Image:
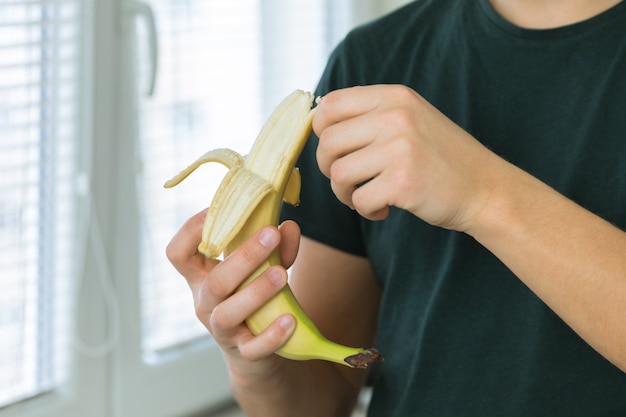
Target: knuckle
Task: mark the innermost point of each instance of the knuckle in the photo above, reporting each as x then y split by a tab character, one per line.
402	147
406	189
252	295
337	173
401	93
219	319
325	152
331	100
250	255
216	288
322	164
202	311
173	254
259	291
323	144
404	181
248	352
398	118
364	204
252	252
262	345
343	195
274	337
323	114
359	199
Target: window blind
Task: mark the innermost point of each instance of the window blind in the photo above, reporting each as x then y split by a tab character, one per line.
38	90
223	67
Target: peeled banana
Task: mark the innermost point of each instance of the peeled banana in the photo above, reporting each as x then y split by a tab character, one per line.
248	198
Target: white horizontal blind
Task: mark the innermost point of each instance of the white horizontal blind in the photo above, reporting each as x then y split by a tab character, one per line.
224	65
38	89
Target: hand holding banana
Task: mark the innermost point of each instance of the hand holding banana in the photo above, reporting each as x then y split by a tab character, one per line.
249	198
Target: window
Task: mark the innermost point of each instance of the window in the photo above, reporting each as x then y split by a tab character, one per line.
38	113
93	319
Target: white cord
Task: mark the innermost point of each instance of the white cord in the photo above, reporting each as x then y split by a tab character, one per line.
93	238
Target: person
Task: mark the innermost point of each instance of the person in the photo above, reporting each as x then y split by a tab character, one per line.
463	210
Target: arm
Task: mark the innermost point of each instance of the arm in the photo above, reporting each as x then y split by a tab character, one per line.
572	259
386	146
263	383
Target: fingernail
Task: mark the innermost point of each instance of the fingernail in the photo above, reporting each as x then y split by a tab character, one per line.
285	322
275	276
268	238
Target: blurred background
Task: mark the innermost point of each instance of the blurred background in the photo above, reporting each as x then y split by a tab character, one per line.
101	101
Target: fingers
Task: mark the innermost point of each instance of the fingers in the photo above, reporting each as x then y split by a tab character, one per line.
223	308
224	279
344	104
220	305
353	171
235	309
226	320
269	341
347	152
185	242
370	204
289	242
368	146
385	145
182	250
353	135
340	137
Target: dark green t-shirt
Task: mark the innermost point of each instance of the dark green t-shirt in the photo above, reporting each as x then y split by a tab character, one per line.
462	336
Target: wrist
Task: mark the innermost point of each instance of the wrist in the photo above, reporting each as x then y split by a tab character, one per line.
498	209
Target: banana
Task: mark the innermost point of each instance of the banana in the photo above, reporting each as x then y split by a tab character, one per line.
248	198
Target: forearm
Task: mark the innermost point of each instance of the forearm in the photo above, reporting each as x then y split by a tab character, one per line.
309	388
573	260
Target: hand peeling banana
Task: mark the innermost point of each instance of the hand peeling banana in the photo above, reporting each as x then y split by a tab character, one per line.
248	198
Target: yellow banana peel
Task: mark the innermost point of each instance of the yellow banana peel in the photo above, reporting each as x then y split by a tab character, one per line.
248	198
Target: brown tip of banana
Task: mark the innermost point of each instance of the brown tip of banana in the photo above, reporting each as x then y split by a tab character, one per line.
364	359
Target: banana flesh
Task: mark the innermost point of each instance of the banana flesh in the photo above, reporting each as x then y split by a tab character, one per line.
248	198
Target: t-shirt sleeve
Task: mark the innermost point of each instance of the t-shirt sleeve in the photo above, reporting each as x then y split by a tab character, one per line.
320	215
